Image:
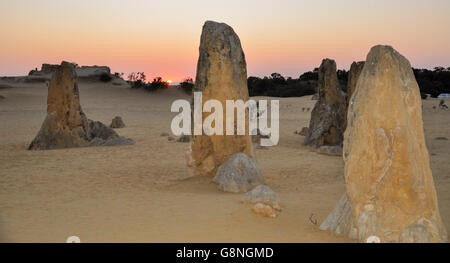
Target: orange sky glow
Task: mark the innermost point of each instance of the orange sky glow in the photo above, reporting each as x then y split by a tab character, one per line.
161	38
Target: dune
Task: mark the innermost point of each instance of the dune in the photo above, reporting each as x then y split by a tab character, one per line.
144	192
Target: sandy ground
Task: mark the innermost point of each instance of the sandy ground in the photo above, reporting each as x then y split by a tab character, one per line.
144	193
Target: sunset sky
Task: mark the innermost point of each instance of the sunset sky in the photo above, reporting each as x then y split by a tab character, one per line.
161	38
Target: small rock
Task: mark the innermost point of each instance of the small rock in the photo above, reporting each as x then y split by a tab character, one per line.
184	138
302	132
170	138
164	134
262	194
239	174
441	138
119	141
2	97
100	130
97	141
264	210
117	123
330	150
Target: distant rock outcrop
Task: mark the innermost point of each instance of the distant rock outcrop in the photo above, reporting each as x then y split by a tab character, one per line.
326	126
221	75
48	68
90	73
66	125
390	190
239	174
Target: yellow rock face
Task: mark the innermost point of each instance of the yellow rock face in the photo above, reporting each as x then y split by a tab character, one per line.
264	210
387	170
221	75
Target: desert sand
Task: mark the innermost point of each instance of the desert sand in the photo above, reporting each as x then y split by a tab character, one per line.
144	192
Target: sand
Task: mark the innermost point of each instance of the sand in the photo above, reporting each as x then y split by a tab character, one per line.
144	193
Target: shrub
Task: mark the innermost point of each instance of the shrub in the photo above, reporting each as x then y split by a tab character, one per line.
278	86
156	84
105	77
187	85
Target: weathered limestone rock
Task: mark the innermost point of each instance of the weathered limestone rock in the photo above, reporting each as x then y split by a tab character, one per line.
262	194
117	123
184	138
221	75
326	126
390	188
353	75
66	125
264	210
239	174
339	221
302	132
92	73
330	150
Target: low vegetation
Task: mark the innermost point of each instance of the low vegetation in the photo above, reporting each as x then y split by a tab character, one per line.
431	83
187	85
138	81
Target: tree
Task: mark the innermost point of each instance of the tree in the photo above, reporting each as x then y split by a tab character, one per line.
156	84
277	78
132	77
142	76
